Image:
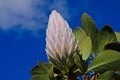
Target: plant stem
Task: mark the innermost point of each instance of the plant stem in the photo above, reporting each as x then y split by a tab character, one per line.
72	76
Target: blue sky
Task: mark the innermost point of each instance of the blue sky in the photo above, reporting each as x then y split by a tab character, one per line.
23	26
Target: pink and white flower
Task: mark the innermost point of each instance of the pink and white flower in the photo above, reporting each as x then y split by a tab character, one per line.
61	45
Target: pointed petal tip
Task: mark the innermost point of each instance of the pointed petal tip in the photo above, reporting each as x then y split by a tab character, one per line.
54	11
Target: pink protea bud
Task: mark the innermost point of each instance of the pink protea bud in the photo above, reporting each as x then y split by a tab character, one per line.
61	45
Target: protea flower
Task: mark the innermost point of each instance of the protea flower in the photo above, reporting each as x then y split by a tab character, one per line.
61	45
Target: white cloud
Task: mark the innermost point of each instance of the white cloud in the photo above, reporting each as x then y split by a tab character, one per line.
14	12
30	14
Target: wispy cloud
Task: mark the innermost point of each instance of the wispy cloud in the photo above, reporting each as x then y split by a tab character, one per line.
33	14
29	14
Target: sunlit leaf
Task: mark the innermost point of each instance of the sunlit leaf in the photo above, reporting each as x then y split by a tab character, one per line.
106	60
84	42
86	47
105	36
79	35
90	28
117	35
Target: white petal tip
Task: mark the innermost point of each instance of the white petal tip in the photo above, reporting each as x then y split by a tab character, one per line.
54	11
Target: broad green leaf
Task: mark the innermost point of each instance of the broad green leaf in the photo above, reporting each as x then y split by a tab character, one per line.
41	71
105	36
106	60
80	35
113	46
109	75
90	28
117	35
85	48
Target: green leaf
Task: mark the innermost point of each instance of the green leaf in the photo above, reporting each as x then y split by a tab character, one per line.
45	66
79	35
84	42
81	64
109	75
41	71
86	47
78	63
90	28
106	60
105	36
51	76
117	35
113	46
40	77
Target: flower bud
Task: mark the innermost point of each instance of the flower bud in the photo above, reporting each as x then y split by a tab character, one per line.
61	45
